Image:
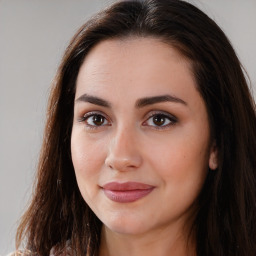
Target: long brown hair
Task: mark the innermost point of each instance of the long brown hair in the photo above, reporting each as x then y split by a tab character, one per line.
225	222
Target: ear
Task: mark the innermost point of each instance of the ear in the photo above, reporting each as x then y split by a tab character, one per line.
213	158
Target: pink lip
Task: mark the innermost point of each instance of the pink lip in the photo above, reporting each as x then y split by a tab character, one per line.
126	192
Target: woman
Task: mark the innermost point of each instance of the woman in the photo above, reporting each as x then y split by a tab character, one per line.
150	141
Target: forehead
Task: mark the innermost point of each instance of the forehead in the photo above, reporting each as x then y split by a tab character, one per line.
111	51
135	68
130	59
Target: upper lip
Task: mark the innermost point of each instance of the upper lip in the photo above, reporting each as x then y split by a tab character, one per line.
126	186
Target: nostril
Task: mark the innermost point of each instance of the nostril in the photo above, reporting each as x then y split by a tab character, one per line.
109	163
123	156
122	164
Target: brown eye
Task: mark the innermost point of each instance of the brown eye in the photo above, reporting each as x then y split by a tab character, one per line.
159	120
95	120
98	120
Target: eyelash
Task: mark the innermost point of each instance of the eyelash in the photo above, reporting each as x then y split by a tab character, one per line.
165	116
93	114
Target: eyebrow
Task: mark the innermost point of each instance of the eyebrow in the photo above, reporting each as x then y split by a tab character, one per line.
139	103
94	100
158	99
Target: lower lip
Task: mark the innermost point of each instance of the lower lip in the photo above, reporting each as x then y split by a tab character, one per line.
127	196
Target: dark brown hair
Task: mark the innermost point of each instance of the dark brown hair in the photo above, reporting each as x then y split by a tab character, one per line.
225	222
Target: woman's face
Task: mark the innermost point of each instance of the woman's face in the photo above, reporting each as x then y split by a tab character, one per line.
140	140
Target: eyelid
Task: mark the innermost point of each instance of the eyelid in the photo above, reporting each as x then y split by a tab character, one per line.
161	112
173	119
87	115
82	117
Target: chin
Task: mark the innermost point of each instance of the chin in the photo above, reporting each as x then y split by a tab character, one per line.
125	225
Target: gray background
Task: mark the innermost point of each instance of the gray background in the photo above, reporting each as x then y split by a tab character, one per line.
33	36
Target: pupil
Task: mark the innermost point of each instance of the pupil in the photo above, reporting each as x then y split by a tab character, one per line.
159	120
98	119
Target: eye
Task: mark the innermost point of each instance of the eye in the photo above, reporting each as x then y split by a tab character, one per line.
94	120
160	120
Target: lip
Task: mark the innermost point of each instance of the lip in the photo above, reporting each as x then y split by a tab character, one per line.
126	192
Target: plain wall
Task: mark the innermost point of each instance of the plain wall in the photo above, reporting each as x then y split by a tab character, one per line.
33	36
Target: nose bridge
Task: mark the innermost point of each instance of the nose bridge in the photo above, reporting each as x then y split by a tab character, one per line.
123	152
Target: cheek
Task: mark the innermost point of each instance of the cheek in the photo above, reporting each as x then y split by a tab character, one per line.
87	158
182	170
86	152
181	159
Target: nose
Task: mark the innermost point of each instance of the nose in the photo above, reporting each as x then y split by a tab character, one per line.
123	152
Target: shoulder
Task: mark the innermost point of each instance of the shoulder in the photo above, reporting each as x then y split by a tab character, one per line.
52	253
66	251
20	253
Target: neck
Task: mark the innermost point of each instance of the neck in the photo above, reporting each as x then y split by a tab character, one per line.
160	242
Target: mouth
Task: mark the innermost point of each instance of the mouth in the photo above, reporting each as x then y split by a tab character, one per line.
126	192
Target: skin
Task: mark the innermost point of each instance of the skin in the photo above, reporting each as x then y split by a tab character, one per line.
127	144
